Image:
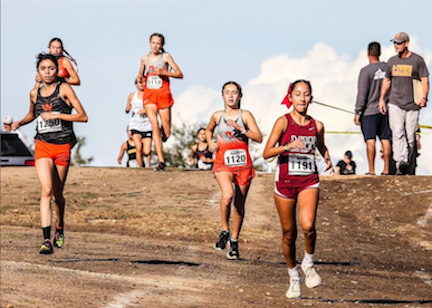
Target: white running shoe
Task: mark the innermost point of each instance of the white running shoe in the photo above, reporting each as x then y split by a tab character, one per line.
312	278
294	290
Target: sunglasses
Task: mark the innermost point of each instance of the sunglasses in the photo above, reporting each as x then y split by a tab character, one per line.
399	43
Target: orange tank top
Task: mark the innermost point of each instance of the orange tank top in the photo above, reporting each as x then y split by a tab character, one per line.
62	72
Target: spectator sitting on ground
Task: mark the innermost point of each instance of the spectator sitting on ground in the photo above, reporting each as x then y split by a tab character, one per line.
346	166
200	156
7	126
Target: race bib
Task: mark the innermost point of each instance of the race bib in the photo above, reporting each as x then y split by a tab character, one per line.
49	126
133	163
235	158
301	164
154	82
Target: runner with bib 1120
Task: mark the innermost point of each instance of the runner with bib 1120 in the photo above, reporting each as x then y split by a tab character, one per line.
232	128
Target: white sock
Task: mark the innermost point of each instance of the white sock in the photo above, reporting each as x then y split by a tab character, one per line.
294	272
308	259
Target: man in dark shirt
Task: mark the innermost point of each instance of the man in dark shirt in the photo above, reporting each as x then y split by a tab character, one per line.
403	69
367	114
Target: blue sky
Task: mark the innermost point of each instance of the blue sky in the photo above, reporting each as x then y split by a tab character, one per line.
212	42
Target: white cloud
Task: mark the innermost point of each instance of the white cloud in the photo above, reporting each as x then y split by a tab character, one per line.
334	81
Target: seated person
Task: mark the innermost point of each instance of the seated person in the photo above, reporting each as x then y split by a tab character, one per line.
200	156
346	166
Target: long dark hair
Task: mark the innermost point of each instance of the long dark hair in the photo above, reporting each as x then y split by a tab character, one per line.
238	88
162	39
56	39
46	56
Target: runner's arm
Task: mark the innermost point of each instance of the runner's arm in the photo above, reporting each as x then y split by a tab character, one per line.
177	73
192	154
322	147
73	75
253	132
129	103
122	150
271	149
29	117
209	131
141	70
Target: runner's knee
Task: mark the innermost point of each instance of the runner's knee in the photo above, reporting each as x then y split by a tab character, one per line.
46	191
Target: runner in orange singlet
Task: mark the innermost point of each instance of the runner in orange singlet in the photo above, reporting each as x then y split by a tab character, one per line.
232	128
157	96
66	71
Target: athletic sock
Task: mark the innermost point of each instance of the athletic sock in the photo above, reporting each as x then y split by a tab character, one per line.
294	272
308	259
59	230
46	233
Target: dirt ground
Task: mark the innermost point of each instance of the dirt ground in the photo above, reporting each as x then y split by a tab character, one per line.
137	238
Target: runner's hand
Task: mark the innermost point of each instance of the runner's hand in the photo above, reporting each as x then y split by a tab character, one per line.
119	161
38	79
329	166
382	106
49	116
234	124
16	125
142	112
357	119
160	71
213	147
296	144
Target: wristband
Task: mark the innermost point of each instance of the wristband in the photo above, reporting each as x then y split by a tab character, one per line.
286	147
425	98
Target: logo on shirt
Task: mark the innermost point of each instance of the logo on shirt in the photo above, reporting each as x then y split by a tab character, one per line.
47	107
401	70
379	74
308	141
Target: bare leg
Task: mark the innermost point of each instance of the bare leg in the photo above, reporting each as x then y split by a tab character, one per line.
146	142
137	139
286	210
60	174
44	169
307	201
239	206
151	110
225	183
370	150
165	115
386	146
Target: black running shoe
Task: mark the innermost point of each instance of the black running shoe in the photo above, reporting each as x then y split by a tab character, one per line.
233	253
160	167
222	240
163	136
403	168
46	248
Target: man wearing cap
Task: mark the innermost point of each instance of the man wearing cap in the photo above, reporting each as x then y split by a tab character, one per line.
402	70
7	126
367	114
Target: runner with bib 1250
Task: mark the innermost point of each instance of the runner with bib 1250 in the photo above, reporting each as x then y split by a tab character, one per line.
232	127
51	105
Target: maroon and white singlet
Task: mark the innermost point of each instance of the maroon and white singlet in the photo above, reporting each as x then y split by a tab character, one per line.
297	169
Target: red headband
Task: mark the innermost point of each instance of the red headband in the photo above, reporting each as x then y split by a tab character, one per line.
286	100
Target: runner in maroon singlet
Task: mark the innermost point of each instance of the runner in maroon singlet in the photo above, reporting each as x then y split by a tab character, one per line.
294	139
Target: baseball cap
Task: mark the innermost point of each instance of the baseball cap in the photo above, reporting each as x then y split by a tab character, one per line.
348	154
7	120
400	37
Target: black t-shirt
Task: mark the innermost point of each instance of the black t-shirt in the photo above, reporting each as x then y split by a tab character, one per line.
343	167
